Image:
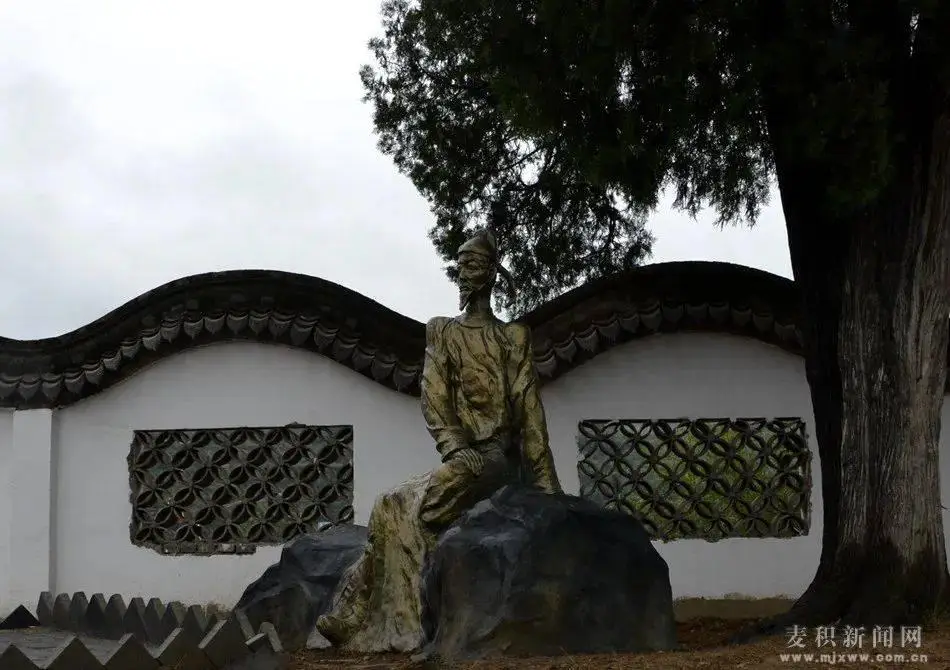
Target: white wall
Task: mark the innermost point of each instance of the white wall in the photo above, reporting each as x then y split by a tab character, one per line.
87	519
694	375
698	375
30	498
234	384
6	451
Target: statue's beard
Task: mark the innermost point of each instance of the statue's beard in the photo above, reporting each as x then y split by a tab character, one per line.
465	294
469	291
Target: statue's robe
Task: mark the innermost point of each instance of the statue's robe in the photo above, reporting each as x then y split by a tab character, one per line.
479	391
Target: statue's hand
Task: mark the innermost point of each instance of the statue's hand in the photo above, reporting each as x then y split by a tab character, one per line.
472	458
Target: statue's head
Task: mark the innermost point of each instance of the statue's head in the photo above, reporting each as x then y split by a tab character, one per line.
478	267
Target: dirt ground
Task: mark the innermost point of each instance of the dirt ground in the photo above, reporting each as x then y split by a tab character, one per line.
705	642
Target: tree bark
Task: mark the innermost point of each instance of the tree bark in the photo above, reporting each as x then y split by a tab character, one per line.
876	294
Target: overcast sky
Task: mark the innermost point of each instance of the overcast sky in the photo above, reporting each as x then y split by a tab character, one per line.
143	141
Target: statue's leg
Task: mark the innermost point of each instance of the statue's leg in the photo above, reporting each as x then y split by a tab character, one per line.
454	489
445	495
351	601
376	604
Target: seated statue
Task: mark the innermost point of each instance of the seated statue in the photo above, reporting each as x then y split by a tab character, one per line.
481	405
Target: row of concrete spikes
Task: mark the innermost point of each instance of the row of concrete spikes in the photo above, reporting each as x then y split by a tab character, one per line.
230	643
150	622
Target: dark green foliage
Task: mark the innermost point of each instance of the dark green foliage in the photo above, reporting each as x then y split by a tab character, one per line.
444	121
745	496
560	123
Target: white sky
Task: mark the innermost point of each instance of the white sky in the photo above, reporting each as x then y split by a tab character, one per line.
143	141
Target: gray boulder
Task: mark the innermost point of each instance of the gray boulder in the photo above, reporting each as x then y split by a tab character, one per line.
529	574
294	592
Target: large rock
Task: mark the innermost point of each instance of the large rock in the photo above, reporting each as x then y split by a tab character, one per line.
292	593
524	573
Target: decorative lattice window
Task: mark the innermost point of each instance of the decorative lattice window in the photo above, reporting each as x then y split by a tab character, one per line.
228	490
703	478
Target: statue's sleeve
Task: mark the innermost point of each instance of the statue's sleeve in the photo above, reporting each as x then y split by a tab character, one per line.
536	456
437	404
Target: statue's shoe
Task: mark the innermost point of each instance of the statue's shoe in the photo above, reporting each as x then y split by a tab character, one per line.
333	628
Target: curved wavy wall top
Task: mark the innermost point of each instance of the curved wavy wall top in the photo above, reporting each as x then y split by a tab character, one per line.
679	375
325	318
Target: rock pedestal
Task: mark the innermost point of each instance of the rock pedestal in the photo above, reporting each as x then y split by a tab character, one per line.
292	593
529	574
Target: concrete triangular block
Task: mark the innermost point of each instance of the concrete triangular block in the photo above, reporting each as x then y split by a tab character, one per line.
44	609
78	608
134	620
257	642
225	643
14	659
96	616
247	630
73	655
174	648
173	618
21	617
115	617
130	655
179	653
61	607
265	641
213	620
154	630
195	624
273	637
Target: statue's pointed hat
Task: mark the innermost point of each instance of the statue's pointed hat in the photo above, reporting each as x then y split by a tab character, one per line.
484	244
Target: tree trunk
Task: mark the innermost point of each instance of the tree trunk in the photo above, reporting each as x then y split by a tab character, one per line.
876	292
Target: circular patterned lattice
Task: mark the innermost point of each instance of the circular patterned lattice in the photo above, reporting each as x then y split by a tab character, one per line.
704	478
194	491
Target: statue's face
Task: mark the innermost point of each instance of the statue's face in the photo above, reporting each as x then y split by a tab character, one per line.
475	272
